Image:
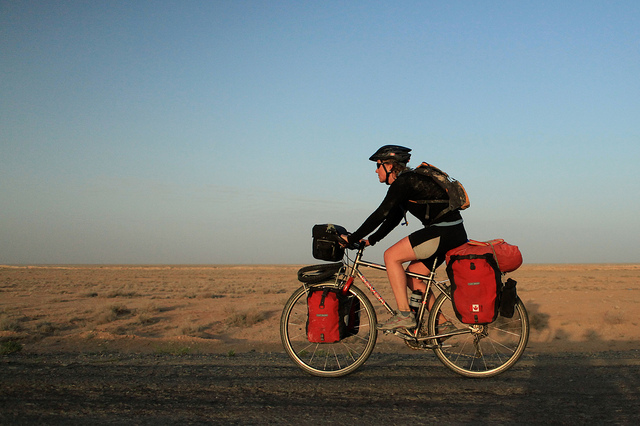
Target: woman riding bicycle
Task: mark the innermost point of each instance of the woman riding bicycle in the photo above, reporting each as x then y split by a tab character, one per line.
415	193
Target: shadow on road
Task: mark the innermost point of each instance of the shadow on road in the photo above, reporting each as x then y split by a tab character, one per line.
262	388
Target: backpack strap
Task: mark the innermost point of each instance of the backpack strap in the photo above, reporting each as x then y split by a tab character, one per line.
429	201
439	215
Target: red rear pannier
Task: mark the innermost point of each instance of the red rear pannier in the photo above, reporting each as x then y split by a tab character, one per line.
475	287
508	256
475	270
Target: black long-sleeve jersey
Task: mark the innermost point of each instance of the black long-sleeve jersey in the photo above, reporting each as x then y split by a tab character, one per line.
407	193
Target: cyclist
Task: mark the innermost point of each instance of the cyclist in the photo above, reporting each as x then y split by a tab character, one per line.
408	192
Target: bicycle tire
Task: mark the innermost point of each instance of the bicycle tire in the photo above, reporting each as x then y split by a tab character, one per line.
486	350
327	359
318	273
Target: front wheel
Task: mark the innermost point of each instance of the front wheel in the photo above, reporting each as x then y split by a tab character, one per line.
327	359
483	350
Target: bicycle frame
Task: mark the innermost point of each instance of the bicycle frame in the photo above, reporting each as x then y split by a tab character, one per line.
429	280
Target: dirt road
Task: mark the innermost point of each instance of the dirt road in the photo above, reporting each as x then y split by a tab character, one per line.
258	388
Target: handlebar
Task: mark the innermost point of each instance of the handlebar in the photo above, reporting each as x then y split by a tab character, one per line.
357	245
353	246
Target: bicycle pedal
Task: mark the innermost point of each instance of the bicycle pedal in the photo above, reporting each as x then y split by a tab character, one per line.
402	335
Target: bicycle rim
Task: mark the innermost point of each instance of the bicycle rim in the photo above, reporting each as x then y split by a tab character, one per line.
486	350
327	359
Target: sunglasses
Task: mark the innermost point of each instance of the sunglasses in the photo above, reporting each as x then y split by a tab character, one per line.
378	165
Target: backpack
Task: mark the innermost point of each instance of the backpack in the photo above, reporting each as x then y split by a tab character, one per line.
332	316
476	282
458	197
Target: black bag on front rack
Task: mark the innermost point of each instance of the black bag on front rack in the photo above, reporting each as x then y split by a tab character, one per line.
326	245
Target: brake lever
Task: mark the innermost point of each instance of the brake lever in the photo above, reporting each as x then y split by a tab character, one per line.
357	245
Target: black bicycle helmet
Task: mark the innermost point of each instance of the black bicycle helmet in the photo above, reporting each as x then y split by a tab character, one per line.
392	152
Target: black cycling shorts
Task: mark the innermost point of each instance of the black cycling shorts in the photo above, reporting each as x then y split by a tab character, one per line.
450	238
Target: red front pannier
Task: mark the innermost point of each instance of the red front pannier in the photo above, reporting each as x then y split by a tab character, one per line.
323	323
332	316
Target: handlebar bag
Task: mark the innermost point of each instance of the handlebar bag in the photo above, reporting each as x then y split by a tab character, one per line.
476	282
326	242
332	316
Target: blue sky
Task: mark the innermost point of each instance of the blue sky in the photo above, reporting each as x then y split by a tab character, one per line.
222	131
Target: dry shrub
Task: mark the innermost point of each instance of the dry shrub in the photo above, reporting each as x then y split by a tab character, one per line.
212	296
113	313
10	324
121	330
152	308
537	320
614	318
146	319
238	290
562	334
45	328
592	336
122	293
246	319
196	331
9	347
146	316
174	349
120	310
77	321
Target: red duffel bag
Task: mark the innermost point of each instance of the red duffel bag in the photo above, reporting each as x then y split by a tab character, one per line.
508	256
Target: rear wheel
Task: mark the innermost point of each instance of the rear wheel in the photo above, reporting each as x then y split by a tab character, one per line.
327	359
483	350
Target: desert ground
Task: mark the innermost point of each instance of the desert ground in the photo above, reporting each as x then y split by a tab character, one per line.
204	341
222	309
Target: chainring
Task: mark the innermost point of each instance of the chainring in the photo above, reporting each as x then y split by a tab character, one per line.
420	345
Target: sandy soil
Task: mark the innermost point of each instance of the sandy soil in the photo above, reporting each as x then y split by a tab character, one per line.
222	309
